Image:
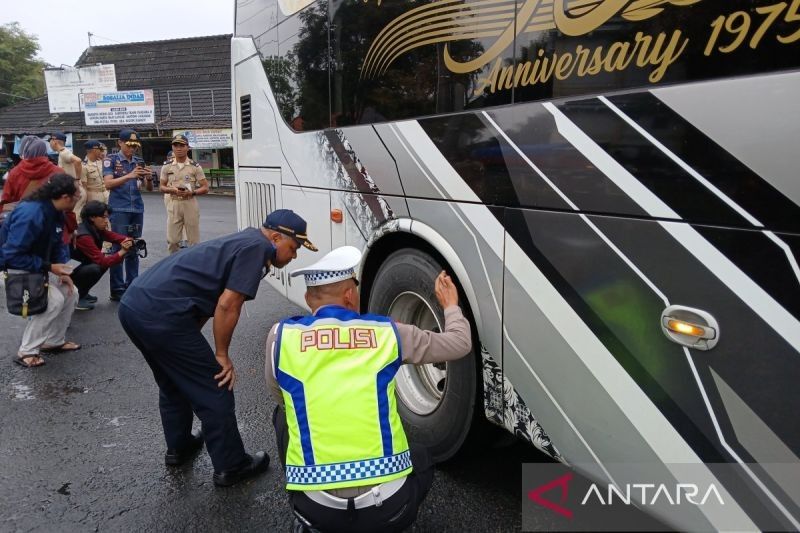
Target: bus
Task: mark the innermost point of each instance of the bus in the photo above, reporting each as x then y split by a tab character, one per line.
613	186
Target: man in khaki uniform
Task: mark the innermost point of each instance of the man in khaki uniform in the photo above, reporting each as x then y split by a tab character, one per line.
92	175
103	155
181	180
70	163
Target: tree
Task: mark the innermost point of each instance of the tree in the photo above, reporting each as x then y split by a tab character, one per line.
280	74
20	70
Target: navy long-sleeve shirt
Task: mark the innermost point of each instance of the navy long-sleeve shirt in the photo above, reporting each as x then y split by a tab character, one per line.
33	228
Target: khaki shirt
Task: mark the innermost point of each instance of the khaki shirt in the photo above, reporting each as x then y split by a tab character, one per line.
92	177
189	174
65	162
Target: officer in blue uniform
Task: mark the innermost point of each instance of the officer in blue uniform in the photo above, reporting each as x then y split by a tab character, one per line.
211	279
124	174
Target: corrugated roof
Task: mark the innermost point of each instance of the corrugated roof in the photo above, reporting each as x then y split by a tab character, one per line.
190	79
167	62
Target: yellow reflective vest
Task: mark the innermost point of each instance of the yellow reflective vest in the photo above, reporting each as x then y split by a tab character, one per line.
337	373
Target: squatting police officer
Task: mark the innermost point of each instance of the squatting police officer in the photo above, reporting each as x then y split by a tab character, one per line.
124	174
349	465
163	312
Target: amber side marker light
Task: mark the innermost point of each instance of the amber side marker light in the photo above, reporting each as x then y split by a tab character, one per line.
690	327
337	216
686	328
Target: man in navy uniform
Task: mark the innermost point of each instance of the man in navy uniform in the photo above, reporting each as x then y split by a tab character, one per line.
124	174
163	313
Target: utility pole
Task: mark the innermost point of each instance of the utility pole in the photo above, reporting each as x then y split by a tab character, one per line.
90	38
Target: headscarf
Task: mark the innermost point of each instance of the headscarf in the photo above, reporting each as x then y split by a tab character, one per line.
31	147
34	166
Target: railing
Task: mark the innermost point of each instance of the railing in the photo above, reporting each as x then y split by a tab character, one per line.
220	178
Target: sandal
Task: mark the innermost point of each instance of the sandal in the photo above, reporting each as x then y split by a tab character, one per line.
66	347
20	359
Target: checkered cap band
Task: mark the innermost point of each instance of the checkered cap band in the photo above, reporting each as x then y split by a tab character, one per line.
334	473
326	277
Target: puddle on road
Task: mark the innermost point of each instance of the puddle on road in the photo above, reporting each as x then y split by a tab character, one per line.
47	391
57	391
20	391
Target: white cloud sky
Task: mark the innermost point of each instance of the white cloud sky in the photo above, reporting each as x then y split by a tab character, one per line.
62	27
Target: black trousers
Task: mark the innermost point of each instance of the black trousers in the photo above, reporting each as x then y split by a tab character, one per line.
184	366
86	276
397	512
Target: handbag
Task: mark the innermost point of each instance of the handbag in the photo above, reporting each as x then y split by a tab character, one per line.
26	293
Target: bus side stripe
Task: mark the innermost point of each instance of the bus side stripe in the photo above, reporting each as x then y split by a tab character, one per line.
784	324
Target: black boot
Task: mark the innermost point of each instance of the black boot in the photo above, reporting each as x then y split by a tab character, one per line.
258	463
178	457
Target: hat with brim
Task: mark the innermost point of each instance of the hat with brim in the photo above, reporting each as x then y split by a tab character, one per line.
180	139
337	265
129	137
289	223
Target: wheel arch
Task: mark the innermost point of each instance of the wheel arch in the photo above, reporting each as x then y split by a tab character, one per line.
409	233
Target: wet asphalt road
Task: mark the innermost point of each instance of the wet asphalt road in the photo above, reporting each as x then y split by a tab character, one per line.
81	445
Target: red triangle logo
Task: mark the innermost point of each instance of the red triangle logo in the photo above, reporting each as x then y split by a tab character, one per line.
535	495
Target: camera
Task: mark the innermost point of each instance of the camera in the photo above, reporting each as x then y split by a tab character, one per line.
141	247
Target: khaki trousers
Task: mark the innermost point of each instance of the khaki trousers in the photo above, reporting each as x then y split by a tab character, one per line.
81	202
99	196
182	216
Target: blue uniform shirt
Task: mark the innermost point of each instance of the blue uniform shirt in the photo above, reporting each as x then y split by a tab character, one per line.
31	233
190	282
125	198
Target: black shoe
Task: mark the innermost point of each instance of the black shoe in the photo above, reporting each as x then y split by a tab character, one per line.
116	296
258	464
91	298
178	457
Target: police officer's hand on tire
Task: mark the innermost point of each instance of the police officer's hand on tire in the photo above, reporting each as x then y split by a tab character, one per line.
445	290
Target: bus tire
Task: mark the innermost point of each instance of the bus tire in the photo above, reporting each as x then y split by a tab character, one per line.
404	289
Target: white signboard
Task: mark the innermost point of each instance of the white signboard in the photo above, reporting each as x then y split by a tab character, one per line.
64	86
209	138
119	108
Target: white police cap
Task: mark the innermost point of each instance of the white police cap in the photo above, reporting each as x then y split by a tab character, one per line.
337	265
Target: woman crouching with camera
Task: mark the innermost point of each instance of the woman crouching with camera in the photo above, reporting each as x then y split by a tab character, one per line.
91	233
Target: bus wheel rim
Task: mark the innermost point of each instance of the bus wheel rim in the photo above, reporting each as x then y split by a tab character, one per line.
420	387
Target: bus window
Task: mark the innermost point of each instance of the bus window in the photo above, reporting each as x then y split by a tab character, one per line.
294	53
388	61
303	68
254	18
